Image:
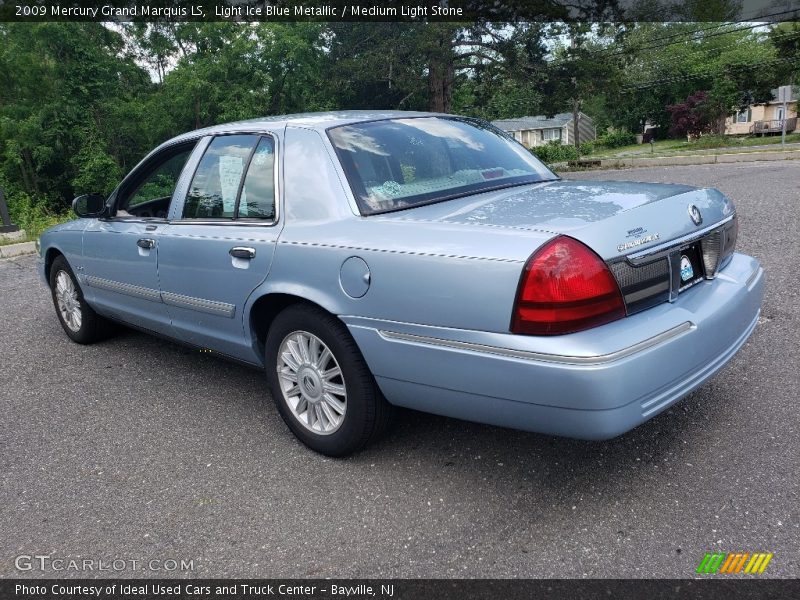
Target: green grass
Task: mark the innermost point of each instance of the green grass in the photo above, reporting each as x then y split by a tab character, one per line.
704	144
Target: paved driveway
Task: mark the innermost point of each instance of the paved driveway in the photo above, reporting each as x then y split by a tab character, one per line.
139	449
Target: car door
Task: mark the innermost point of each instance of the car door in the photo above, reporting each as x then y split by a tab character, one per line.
120	269
220	241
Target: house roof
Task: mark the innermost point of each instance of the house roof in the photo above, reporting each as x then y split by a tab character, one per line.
537	122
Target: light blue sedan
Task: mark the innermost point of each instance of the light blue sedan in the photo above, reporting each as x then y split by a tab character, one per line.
367	260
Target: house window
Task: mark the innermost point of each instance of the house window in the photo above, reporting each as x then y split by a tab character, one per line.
551	134
743	116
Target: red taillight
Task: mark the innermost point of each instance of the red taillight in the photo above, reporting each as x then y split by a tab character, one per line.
565	287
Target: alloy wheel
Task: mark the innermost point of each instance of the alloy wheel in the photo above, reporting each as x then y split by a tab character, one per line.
312	382
67	299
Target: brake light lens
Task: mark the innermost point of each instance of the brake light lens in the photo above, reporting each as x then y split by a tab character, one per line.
729	234
565	287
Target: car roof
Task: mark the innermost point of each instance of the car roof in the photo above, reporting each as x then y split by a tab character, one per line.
310	120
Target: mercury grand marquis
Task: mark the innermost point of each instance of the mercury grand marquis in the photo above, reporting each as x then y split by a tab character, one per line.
367	260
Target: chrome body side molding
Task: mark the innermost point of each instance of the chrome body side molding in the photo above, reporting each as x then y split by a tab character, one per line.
123	288
541	356
221	309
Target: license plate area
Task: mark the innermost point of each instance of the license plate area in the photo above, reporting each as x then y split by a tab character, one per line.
687	267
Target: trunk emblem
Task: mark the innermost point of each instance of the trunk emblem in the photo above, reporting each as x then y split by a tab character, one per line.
694	213
638	242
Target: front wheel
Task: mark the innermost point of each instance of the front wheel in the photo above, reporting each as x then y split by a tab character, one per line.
321	384
78	319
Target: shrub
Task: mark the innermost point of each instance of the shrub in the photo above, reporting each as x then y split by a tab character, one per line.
587	148
714	141
616	139
554	151
32	214
691	118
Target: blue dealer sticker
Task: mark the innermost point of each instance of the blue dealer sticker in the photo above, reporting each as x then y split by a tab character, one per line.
687	272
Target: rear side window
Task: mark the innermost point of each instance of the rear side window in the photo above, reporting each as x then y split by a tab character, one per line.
257	200
234	180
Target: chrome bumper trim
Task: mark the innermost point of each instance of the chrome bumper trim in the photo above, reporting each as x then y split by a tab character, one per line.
664	249
599	359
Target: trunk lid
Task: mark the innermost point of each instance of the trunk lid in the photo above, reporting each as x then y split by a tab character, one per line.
612	217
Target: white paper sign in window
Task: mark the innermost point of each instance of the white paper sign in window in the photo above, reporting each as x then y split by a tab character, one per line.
230	174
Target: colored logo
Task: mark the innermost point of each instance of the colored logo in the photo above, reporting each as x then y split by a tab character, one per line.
734	562
686	268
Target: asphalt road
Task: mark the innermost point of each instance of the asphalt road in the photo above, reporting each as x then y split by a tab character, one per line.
138	449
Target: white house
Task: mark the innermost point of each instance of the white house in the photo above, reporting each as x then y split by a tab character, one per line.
765	118
535	131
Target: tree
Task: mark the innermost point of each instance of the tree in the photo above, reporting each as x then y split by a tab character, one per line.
376	65
60	84
785	38
692	118
581	69
664	63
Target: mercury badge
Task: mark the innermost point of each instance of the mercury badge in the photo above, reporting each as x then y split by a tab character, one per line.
694	213
687	272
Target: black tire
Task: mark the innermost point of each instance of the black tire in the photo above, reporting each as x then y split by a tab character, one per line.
92	327
367	414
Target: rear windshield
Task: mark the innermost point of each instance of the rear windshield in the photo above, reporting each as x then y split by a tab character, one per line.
400	163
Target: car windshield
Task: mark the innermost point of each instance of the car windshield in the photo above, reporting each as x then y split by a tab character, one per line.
400	163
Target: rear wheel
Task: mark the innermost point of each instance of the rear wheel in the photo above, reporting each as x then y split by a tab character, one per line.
321	384
79	321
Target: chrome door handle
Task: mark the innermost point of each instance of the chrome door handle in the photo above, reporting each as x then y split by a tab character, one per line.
242	252
146	243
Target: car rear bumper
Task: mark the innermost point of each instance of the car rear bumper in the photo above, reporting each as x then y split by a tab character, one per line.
594	384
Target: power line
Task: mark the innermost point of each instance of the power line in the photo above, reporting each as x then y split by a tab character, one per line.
701	74
790	34
688	35
622	51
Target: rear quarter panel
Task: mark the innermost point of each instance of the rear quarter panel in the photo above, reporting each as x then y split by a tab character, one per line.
444	274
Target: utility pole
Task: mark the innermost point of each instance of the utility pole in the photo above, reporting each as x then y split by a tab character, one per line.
784	96
576	103
575	116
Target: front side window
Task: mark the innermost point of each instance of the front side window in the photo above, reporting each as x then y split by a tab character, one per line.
217	190
149	195
400	163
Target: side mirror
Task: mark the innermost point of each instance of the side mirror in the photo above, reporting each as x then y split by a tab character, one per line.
89	205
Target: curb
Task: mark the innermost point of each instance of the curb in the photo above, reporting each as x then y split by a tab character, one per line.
702	159
17	249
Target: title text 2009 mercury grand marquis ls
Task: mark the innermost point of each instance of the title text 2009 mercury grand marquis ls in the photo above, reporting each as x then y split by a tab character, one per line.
369	259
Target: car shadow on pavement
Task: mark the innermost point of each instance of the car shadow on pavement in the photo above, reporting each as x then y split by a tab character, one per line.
443	444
